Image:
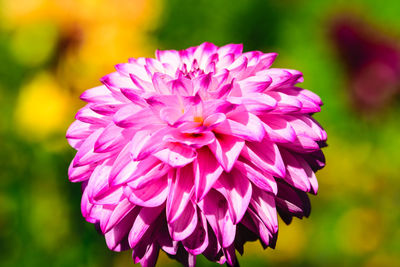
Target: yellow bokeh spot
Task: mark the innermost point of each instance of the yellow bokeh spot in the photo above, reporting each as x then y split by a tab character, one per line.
34	44
42	108
359	231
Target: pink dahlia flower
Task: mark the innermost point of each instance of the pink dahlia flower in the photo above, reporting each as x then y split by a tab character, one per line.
195	152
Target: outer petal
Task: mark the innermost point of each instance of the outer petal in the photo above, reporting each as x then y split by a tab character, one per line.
237	190
197	242
266	156
142	222
185	224
215	209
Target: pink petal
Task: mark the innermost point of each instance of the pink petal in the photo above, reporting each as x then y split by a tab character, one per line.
151	256
176	155
135	116
264	206
81	173
152	195
120	211
236	188
86	154
181	190
244	125
265	156
116	238
184	226
278	129
262	180
114	81
99	94
295	173
142	223
235	49
254	84
226	150
113	137
215	208
197	242
207	171
126	69
87	115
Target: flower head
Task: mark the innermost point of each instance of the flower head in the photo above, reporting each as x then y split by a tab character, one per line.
195	152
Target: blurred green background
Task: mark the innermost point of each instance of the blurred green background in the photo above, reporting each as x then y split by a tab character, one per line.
52	50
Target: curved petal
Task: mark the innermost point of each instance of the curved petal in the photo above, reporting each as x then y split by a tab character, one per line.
184	226
226	150
215	208
181	190
237	190
207	171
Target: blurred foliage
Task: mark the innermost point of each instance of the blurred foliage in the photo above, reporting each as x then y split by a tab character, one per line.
51	51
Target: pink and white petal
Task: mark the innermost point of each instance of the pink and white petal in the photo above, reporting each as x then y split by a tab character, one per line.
226	150
86	154
182	87
116	238
171	57
176	155
235	49
254	84
264	62
214	120
181	190
150	257
264	181
215	208
282	77
285	103
114	81
302	144
261	229
120	211
135	116
100	94
244	125
278	128
195	140
207	171
126	69
265	156
152	195
112	137
147	172
144	219
87	115
80	173
257	103
263	204
237	190
141	84
147	142
197	242
81	130
295	173
184	226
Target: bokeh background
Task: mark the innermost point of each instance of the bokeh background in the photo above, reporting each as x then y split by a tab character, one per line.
349	52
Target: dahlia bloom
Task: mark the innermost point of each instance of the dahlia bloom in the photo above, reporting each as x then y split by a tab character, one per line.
195	152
